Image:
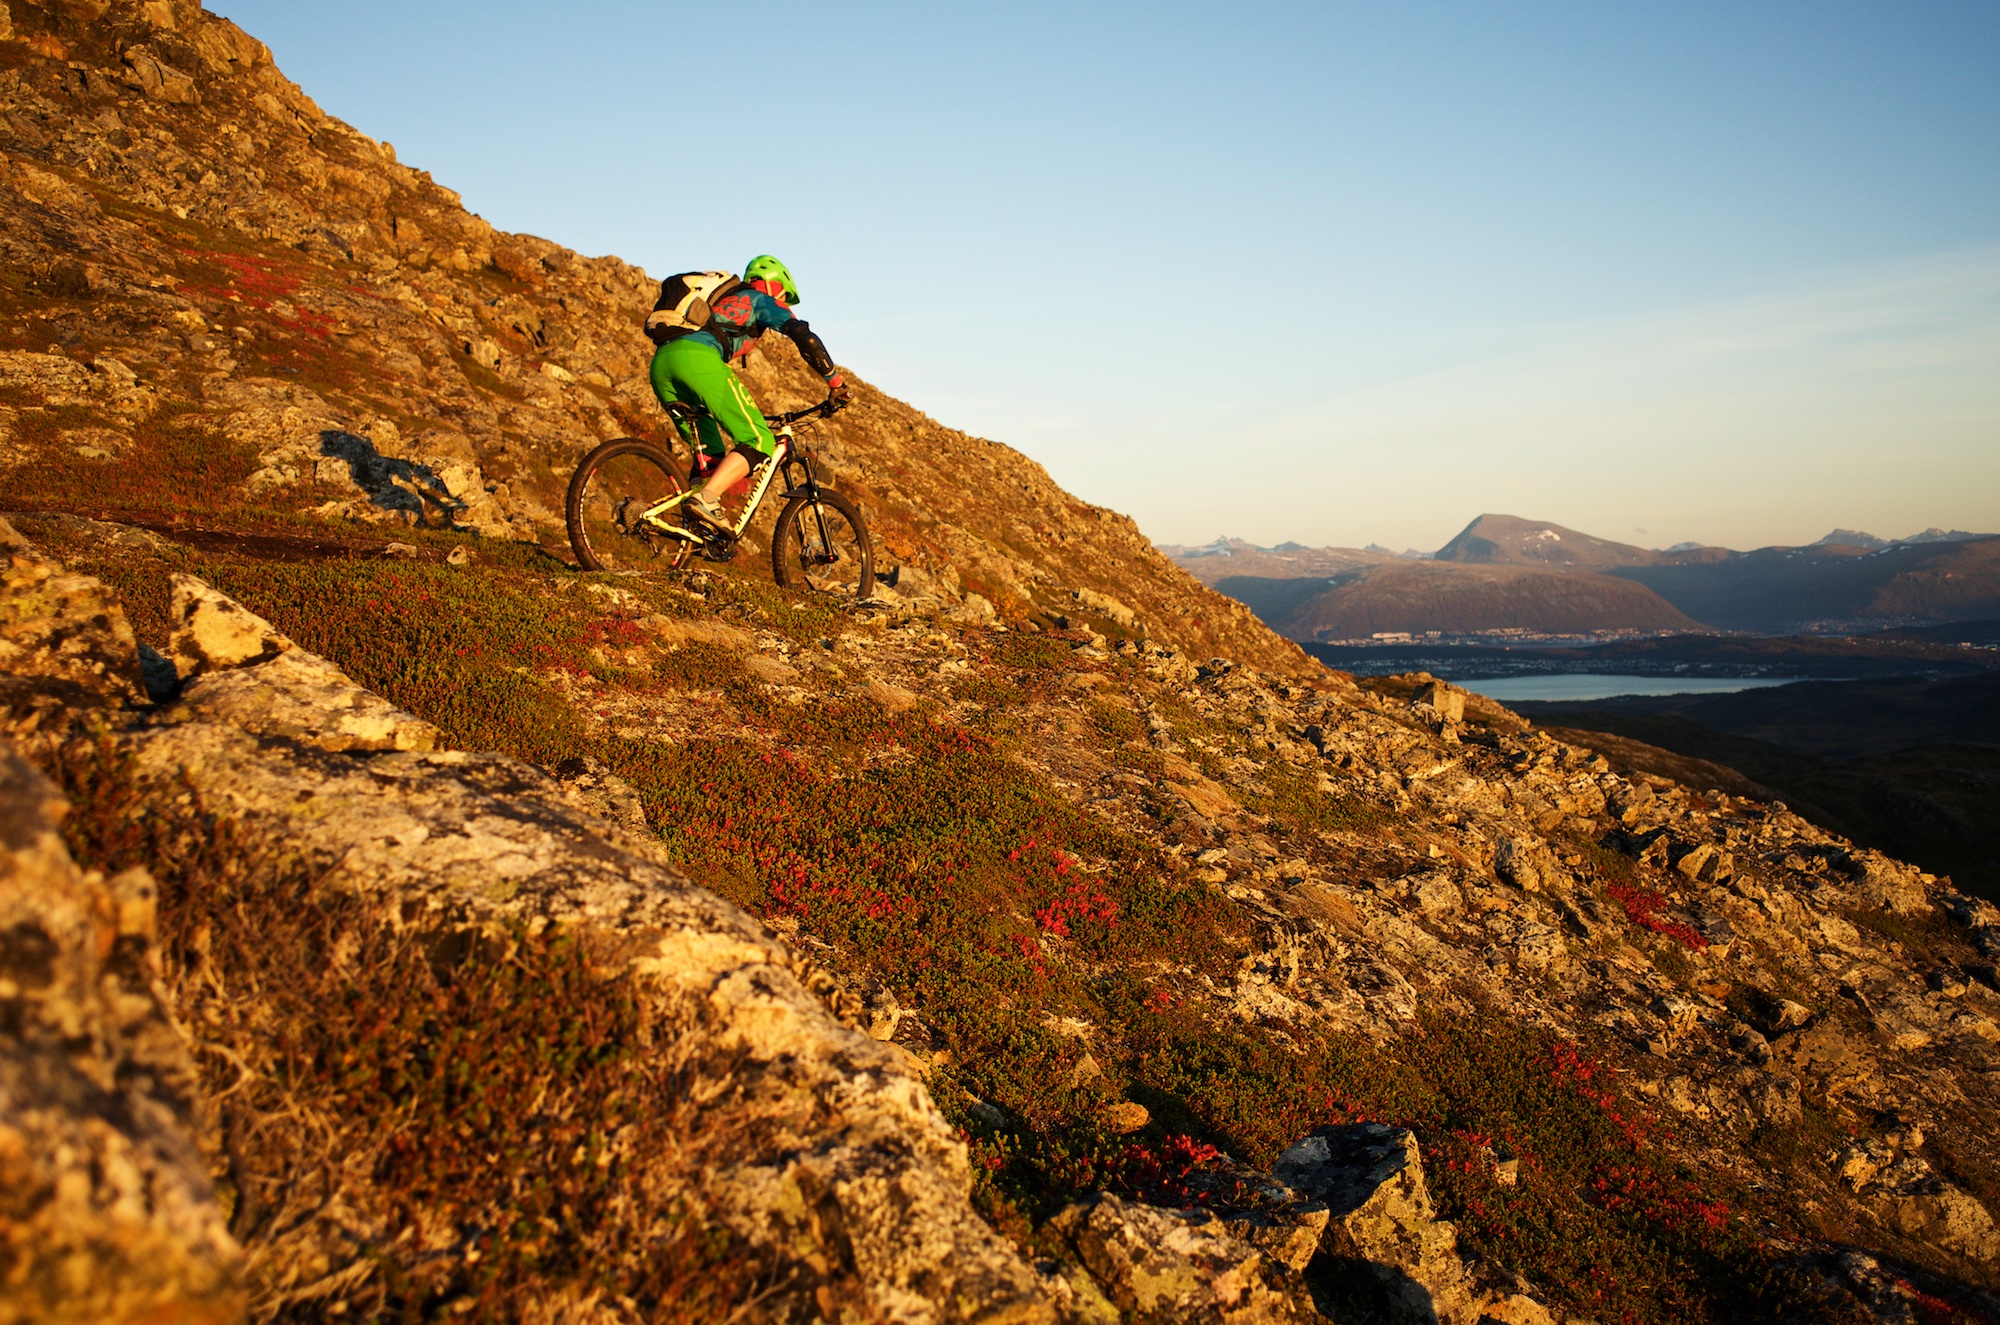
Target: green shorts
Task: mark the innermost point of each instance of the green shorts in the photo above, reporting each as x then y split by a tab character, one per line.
693	373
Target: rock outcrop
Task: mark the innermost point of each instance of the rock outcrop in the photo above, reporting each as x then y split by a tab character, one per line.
1177	1265
1346	1207
65	647
106	1209
858	1185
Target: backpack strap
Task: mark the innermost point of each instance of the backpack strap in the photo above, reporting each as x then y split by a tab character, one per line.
675	291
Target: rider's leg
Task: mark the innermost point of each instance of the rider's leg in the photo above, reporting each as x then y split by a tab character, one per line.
697	369
727	475
730	403
710	446
709	443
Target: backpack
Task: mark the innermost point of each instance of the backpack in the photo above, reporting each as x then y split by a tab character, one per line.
683	306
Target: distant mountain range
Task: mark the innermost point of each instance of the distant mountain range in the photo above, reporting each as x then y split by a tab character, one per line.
1504	573
1855	538
1507	540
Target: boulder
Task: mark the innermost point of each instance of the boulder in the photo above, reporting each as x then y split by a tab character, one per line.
1827	1055
1948	1218
213	632
1447	701
1887	885
1523	862
108	1214
156	78
1436	895
1289	1235
1108	607
1371	1179
1183	1266
239	671
66	650
301	696
589	784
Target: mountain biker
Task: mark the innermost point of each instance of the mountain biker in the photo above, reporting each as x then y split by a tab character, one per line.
694	368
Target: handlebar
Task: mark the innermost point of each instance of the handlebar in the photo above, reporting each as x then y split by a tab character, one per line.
826	409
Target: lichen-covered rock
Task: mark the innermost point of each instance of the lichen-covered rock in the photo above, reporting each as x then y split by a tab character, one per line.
1446	702
1182	1266
1948	1217
106	1212
1366	1183
1889	885
301	696
589	785
1290	1237
1371	1178
66	649
213	632
238	670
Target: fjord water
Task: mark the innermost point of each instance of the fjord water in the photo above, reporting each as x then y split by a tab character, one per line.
1593	685
1587	685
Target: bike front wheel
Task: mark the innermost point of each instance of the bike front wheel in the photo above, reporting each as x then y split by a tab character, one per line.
821	543
613	509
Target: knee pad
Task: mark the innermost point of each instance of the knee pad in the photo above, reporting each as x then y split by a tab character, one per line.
752	454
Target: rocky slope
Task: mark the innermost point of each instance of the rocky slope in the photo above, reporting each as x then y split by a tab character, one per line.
441	931
752	1153
223	297
1219	908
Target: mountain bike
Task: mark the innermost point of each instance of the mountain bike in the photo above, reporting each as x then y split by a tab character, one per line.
624	511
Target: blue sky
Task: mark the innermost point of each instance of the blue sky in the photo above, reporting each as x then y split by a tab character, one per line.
1325	272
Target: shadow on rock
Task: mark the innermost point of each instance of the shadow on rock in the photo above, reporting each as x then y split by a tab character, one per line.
391	484
1353	1288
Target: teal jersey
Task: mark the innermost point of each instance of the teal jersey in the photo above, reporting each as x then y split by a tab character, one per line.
738	318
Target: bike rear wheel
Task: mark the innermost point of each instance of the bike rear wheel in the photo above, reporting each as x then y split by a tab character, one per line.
821	543
613	486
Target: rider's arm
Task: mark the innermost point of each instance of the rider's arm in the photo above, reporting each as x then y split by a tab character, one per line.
810	348
772	314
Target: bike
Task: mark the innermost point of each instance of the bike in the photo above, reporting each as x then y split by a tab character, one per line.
624	494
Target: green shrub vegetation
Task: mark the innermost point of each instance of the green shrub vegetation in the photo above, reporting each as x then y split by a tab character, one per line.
173	461
520	1121
1007	917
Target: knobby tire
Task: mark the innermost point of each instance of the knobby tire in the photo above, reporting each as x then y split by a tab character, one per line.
822	544
622	476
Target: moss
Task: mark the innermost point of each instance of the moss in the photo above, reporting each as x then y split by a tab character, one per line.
1116	722
1295	801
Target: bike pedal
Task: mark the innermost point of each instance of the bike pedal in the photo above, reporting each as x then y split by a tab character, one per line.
718	549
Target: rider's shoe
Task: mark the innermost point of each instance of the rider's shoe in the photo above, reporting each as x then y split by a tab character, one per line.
701	514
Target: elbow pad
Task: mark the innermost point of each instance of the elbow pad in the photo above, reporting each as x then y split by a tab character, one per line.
810	347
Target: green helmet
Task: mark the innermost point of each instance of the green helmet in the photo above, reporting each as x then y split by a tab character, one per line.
764	267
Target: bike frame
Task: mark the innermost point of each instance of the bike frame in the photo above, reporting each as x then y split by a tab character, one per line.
781	461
